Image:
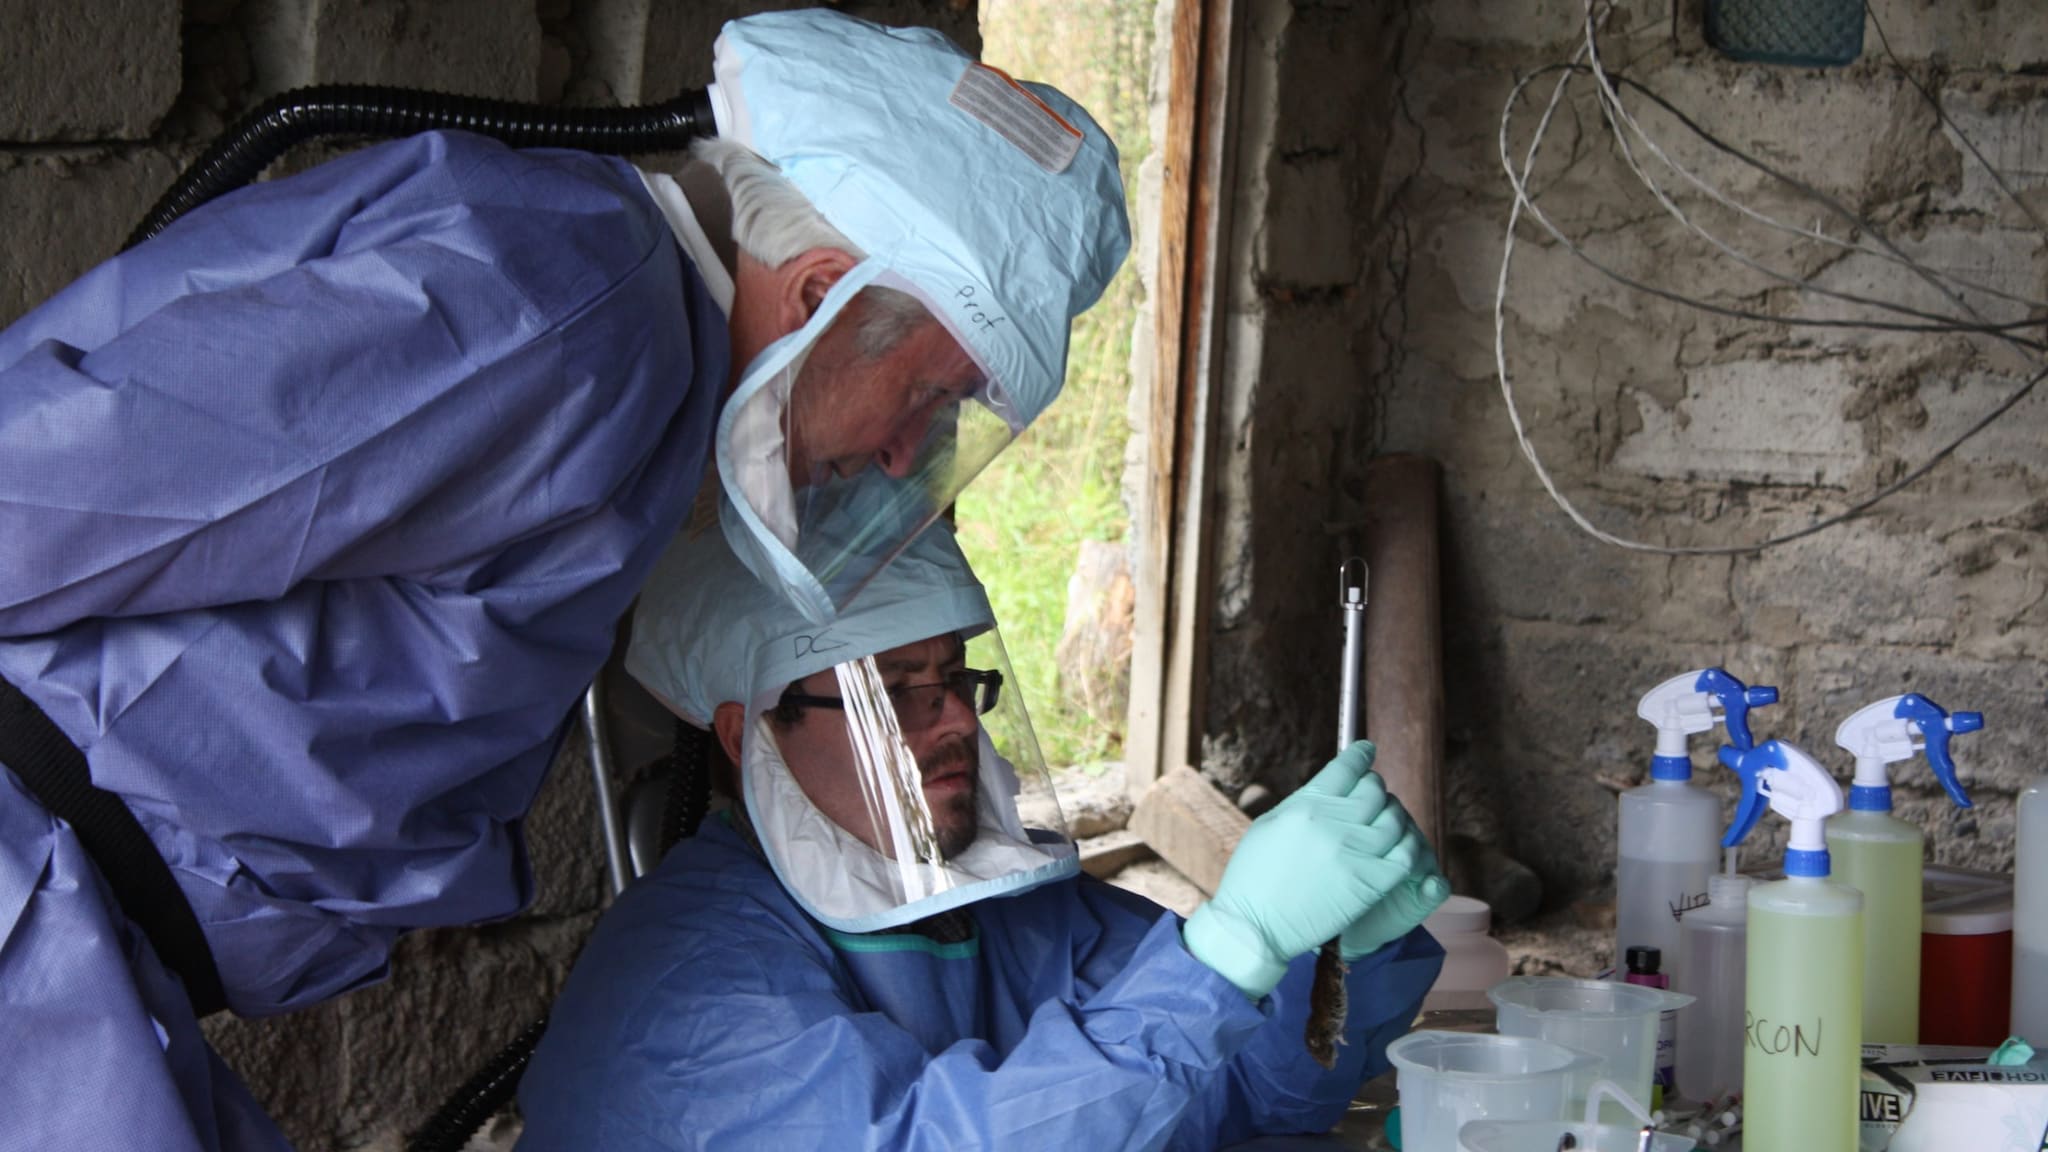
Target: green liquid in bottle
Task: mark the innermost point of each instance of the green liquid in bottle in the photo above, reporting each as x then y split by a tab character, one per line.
1803	1020
1879	856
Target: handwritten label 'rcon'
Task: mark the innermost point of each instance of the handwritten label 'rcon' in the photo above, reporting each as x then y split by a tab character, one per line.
1773	1039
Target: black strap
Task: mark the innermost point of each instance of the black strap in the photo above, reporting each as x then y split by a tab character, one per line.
55	771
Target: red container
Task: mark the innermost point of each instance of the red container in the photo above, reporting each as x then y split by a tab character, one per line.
1966	966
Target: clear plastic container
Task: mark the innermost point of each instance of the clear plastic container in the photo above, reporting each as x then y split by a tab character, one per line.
1473	960
2030	916
1615	1022
1447	1079
1670	842
1716	953
1548	1136
1586	1134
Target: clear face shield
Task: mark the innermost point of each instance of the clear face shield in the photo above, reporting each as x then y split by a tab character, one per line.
894	786
997	204
879	412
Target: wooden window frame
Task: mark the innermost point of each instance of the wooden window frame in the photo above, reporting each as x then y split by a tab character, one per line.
1173	573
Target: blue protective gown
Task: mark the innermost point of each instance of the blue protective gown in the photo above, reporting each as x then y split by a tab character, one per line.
318	512
709	1012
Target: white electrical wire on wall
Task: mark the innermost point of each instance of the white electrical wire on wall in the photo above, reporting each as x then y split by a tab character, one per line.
2022	334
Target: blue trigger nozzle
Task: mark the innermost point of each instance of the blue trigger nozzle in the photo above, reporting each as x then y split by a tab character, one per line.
1936	725
1735	699
1748	764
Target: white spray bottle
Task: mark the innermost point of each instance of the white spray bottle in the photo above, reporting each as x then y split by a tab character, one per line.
1669	832
1879	854
2030	913
1803	1004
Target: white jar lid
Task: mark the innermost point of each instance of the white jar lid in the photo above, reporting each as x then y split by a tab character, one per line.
1460	914
1981	914
1960	902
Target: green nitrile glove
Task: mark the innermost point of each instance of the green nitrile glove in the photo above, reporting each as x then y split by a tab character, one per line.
1422	892
1303	872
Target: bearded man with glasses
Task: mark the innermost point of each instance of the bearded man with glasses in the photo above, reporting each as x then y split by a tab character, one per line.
938	702
886	942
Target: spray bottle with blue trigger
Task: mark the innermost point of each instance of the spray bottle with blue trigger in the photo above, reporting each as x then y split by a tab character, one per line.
1670	827
1803	999
1879	854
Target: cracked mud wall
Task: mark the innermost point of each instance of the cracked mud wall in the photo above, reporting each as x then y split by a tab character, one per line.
101	105
1372	209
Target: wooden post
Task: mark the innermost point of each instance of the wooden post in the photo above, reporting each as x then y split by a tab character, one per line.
1404	660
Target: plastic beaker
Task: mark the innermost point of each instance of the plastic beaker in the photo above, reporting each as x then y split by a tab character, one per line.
1615	1022
1548	1136
1587	1135
1448	1078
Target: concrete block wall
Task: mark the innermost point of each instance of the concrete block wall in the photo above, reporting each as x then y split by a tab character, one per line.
101	105
84	72
1376	208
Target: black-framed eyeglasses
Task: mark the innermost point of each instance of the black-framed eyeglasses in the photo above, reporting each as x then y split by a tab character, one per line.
918	705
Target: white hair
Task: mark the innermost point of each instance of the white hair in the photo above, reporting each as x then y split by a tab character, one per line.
774	223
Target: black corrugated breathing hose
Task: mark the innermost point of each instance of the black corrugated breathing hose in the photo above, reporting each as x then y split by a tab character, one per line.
689	785
685	803
479	1098
255	141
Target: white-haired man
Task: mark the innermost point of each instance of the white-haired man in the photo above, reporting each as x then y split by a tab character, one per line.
321	506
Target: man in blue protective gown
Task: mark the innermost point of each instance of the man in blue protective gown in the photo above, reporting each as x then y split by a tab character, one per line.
887	944
319	510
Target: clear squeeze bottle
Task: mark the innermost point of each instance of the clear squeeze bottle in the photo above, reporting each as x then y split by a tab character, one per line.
1669	827
1803	1005
1879	854
1716	946
2030	916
